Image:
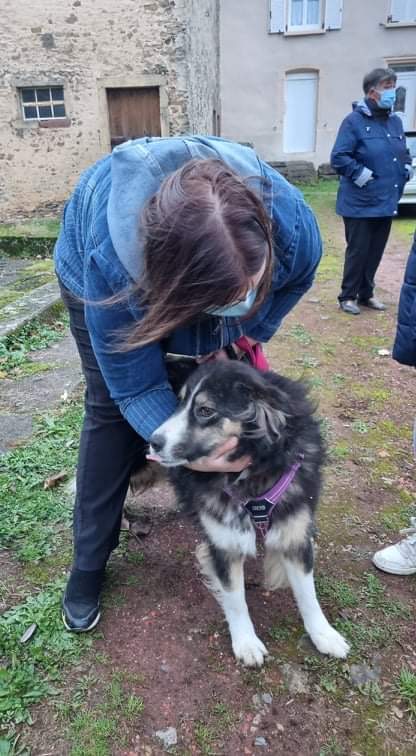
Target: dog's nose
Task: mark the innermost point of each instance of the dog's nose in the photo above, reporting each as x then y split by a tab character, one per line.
157	442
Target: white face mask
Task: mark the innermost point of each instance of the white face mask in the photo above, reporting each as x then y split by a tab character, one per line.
236	310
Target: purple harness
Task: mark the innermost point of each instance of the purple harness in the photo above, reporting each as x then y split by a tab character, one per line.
261	508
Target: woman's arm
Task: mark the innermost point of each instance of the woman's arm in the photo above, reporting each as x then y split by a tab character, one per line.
343	155
137	380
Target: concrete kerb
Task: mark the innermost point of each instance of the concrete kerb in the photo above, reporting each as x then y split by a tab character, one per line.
38	304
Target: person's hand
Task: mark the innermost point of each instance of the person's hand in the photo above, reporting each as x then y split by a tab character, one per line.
218	461
240	352
221	354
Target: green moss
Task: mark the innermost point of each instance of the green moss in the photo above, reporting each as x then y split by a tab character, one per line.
7	296
321	187
27	246
332	513
396	517
338	592
340	451
41	266
329	268
47	227
368	343
38	334
300	334
375	393
29	368
35	275
404	228
365	638
406	497
368	737
30	277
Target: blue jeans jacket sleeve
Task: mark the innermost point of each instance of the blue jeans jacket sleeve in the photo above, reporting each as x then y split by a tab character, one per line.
136	379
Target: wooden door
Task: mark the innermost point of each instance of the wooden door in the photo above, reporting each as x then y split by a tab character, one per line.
133	112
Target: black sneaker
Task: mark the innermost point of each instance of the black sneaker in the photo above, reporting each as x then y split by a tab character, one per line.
81	602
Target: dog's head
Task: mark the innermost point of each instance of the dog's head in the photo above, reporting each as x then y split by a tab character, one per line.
218	401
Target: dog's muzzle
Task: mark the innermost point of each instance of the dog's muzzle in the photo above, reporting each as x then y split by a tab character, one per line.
160	453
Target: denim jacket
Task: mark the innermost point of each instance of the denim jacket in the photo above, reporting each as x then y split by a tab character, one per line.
99	253
371	157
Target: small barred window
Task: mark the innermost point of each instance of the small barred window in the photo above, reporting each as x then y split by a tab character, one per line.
42	103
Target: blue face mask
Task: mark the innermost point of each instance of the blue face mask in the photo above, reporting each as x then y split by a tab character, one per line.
387	98
235	310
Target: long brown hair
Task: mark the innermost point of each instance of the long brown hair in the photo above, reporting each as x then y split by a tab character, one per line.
206	233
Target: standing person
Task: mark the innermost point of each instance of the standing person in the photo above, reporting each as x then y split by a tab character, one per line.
178	245
371	157
400	559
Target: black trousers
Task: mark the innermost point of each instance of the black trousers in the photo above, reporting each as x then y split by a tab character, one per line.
109	452
366	239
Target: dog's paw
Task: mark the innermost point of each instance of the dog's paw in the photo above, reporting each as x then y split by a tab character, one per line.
329	641
250	650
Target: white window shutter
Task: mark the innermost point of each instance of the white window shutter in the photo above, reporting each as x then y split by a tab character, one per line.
333	14
277	16
402	10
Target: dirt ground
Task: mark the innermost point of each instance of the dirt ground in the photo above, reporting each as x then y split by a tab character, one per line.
162	636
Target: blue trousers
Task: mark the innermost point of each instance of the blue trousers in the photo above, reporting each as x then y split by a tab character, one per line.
110	450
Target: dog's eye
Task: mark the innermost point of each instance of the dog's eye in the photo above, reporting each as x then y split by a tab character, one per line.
205	411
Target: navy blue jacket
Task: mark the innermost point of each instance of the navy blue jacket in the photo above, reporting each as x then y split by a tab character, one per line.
371	157
404	349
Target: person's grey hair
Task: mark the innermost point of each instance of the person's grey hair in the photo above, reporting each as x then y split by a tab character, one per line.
376	77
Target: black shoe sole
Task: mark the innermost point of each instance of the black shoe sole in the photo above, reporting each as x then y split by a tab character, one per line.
81	629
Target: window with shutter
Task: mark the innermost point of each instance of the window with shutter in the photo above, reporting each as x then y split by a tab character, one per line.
277	16
303	16
333	14
402	11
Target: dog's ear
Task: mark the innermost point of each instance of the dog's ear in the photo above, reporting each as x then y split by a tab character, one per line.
262	408
290	396
270	420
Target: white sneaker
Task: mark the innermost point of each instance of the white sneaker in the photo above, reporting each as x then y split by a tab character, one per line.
399	559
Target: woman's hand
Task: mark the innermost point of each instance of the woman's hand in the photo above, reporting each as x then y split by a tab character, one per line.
218	461
221	354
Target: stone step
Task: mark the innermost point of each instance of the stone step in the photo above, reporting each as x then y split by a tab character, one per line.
35	304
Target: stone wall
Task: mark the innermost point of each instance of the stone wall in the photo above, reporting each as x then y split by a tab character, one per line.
86	45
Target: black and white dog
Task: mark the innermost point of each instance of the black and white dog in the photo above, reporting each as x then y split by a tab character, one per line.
278	493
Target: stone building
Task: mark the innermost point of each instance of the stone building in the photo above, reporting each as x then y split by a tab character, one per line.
79	76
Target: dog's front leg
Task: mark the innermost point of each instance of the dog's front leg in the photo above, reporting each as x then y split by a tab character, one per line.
326	639
224	576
